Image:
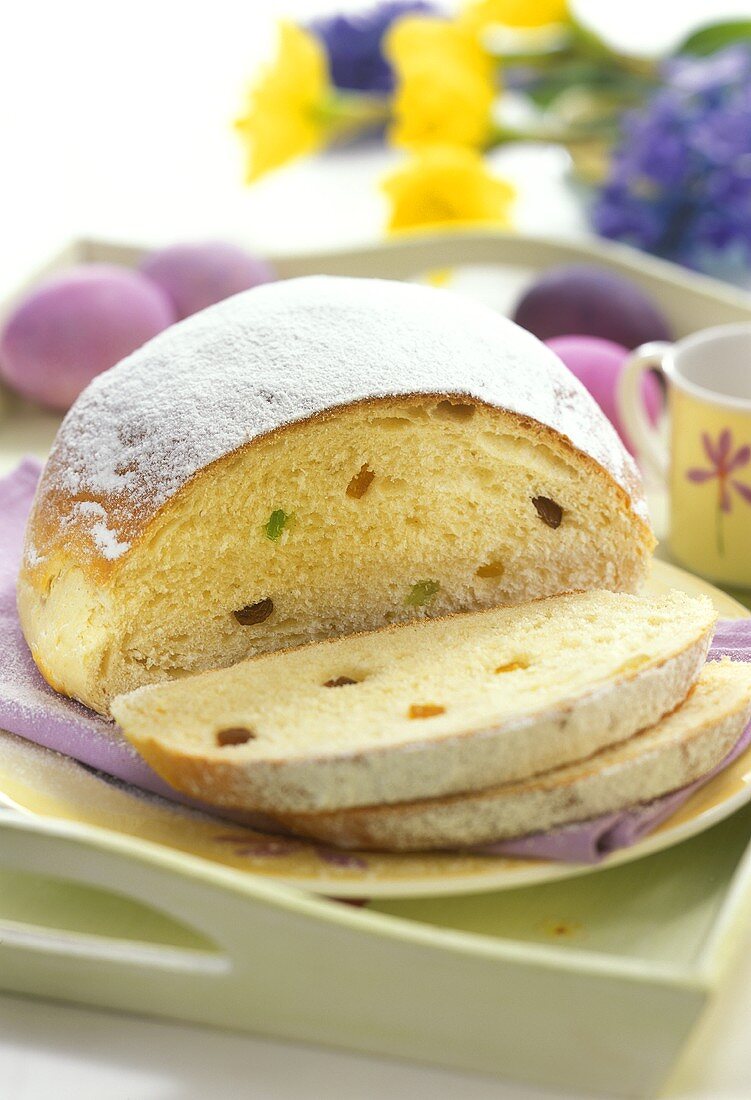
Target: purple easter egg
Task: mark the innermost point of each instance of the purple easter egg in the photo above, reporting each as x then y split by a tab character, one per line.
598	364
591	301
195	276
75	325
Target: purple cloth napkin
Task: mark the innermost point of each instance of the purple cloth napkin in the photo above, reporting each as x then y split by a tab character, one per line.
28	705
590	841
31	709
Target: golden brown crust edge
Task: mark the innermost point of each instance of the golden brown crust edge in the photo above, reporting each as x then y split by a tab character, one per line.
58	547
217	781
49	535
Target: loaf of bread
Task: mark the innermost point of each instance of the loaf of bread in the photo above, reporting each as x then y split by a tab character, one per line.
686	745
434	707
309	459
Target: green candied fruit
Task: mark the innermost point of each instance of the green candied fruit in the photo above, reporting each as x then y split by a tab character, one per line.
421	593
275	524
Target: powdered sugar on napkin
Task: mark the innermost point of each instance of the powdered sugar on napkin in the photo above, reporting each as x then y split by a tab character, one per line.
31	709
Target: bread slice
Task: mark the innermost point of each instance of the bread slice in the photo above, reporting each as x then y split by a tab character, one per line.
424	709
681	748
309	459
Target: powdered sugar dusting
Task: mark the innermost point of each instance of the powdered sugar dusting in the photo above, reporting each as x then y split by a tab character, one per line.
32	556
104	539
283	352
88	508
107	542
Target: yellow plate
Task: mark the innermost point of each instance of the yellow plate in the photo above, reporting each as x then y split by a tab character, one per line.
37	781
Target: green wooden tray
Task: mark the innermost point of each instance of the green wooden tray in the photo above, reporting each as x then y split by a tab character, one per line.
590	985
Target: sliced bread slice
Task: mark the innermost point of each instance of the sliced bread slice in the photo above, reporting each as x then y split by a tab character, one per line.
430	708
681	748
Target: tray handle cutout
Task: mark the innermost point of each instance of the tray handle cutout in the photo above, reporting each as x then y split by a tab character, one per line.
69	899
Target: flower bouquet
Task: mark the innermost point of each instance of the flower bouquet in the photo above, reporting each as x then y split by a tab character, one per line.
661	146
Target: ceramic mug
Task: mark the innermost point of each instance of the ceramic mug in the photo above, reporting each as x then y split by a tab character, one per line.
704	456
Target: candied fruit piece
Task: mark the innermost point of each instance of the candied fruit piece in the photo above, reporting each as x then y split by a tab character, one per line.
548	510
254	613
422	593
276	523
513	666
425	710
361	482
234	735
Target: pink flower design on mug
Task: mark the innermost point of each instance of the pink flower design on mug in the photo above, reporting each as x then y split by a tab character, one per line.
723	464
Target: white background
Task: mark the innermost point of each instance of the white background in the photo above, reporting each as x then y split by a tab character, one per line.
115	120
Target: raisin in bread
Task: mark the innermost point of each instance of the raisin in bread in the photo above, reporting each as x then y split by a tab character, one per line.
684	746
312	458
423	709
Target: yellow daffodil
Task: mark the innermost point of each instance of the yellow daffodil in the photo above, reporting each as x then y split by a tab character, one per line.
444	84
283	118
415	38
514	13
443	184
451	106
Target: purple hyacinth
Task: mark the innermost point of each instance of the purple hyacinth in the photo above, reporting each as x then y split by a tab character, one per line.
680	180
353	44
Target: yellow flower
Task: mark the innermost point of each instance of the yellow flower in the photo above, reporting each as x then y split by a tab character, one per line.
443	184
514	13
284	113
447	106
445	85
416	38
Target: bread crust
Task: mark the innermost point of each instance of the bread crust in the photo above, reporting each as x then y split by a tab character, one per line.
58	549
268	364
56	537
685	746
471	760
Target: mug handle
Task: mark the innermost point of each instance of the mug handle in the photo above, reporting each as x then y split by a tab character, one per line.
651	448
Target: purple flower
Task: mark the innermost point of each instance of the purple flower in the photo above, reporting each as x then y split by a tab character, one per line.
353	44
680	180
709	74
723	463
